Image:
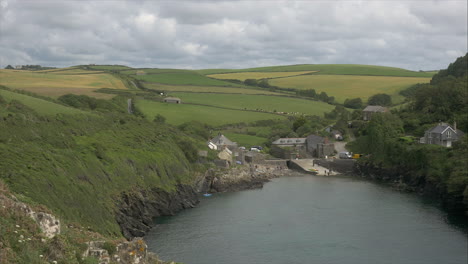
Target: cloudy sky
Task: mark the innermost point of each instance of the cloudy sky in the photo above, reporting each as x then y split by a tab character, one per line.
416	35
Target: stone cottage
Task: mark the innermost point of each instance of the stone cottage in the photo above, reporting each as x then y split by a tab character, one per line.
372	109
442	134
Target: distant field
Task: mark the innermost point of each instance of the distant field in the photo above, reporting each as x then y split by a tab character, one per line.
41	106
183	78
179	113
348	86
108	67
245	140
256	75
206	89
155	70
260	102
351	69
54	85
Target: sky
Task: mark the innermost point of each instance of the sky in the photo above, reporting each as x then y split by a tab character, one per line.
415	35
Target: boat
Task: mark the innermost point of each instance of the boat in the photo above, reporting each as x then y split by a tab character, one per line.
207	194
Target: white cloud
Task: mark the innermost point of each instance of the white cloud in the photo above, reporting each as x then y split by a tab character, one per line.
233	34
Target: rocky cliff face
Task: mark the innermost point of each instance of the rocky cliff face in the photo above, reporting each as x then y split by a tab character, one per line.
402	180
137	209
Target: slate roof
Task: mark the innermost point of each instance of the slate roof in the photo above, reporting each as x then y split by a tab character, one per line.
439	128
375	108
222	140
314	140
289	141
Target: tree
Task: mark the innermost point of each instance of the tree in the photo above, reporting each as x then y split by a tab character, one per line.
251	82
9	67
355	103
299	122
264	83
159	119
380	99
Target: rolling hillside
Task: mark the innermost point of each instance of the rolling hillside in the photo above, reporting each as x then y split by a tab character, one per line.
180	113
57	82
39	105
340	69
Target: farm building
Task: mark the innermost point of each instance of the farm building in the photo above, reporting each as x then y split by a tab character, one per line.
173	100
372	109
442	134
140	73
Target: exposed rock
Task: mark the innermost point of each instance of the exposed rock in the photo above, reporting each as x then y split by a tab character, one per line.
137	209
49	224
130	252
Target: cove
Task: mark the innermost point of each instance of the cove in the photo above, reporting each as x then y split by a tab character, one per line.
311	220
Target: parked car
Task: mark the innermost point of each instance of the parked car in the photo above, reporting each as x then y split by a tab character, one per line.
345	155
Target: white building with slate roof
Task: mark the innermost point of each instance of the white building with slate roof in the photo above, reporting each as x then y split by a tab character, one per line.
221	142
442	134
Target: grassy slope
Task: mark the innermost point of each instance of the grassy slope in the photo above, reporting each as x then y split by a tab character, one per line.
260	102
39	105
245	140
353	69
256	75
183	78
206	89
78	166
180	113
347	86
57	83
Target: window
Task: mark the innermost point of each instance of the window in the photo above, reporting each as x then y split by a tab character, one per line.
449	134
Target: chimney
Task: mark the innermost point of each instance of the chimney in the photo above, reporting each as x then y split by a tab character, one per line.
455	126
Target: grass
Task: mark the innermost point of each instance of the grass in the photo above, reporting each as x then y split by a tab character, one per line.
206	89
352	69
180	113
41	106
258	102
256	75
108	67
183	78
154	71
348	86
245	140
55	84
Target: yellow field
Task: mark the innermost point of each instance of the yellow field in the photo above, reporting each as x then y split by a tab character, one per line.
256	75
54	85
350	86
206	89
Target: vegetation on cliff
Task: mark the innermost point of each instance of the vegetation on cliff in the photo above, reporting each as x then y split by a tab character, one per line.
77	165
391	140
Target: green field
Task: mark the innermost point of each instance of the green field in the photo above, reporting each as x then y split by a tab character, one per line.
245	140
180	113
206	89
256	75
108	67
56	83
351	69
154	71
258	102
348	86
41	106
183	78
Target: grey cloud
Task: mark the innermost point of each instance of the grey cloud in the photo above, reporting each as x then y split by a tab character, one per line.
232	34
